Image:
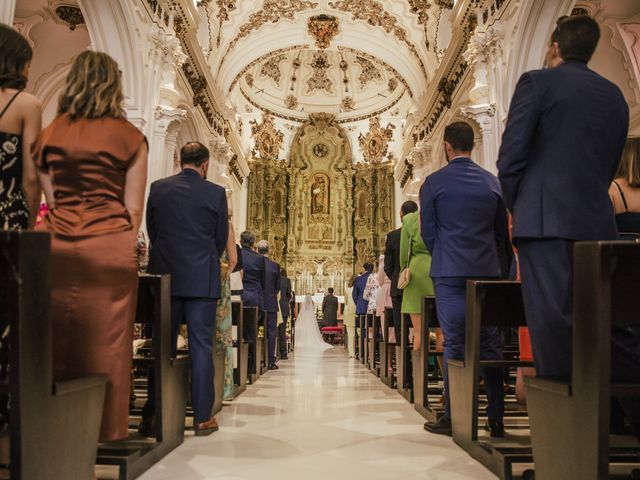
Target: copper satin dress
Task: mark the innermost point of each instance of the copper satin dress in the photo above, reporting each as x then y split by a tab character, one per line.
94	273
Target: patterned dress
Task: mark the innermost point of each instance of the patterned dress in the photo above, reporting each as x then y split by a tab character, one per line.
224	337
14	212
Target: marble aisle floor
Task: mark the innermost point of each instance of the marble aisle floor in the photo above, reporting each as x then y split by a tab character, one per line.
319	417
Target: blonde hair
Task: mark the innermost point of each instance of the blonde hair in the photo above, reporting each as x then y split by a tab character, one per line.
629	167
93	88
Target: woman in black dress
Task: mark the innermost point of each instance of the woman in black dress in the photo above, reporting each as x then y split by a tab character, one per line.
20	123
625	192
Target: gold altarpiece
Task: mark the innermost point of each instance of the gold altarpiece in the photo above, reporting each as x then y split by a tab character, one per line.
323	216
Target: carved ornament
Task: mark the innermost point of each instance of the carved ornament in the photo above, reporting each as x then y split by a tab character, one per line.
272	11
320	80
268	140
271	68
369	72
323	28
71	15
375	144
373	12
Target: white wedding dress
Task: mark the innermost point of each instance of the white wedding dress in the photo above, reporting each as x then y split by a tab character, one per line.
308	336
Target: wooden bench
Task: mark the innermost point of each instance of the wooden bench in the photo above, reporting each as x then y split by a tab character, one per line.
489	303
250	322
53	427
137	454
240	349
373	335
426	393
387	372
403	361
570	421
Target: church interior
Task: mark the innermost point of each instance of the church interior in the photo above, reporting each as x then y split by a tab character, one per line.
322	119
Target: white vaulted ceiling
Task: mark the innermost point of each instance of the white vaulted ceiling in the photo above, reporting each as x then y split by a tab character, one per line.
380	61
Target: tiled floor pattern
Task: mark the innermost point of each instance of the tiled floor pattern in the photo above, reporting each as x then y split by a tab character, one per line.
319	417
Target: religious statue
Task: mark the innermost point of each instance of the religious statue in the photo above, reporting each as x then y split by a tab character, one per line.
319	268
320	195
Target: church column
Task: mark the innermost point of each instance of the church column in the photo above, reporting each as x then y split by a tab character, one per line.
422	167
484	54
162	146
7	11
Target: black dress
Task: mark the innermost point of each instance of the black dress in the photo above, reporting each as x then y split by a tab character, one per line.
628	222
14	212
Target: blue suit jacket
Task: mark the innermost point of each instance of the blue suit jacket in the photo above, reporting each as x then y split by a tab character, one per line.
188	227
463	221
565	133
253	278
358	292
271	286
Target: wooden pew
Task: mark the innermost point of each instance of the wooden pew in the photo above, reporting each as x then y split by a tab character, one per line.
240	350
53	427
263	344
250	317
218	380
403	361
137	454
489	303
373	333
426	392
570	421
387	374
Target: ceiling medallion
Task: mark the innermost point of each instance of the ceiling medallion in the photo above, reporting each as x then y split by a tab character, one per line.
323	28
71	15
291	102
320	80
268	140
375	144
348	104
320	150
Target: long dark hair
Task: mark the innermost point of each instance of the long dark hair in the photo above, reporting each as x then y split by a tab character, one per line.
15	54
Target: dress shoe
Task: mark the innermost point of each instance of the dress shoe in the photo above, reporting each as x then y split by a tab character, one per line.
495	427
441	427
274	367
206	428
147	427
284	357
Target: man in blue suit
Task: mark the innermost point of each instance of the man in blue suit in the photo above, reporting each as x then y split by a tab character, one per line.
253	285
464	226
358	290
188	227
563	141
270	302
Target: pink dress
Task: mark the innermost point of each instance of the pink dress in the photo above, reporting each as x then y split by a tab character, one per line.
384	294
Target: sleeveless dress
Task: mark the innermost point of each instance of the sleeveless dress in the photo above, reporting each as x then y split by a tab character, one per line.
93	255
14	212
414	254
628	222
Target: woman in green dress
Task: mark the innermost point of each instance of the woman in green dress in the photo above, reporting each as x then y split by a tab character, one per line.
224	337
414	254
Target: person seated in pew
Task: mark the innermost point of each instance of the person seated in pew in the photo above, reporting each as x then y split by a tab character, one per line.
463	224
565	134
188	225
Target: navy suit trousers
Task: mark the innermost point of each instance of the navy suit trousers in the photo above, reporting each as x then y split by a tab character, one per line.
451	300
546	266
200	316
271	329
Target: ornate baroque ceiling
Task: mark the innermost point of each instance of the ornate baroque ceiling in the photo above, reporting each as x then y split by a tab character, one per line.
355	59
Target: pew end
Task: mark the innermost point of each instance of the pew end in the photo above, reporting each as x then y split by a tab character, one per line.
489	303
575	441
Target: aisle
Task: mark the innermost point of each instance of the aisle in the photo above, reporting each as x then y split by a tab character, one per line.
324	419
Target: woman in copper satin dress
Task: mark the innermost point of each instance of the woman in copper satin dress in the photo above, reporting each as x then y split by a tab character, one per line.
92	165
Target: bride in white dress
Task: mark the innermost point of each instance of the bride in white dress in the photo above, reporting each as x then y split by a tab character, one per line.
308	336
